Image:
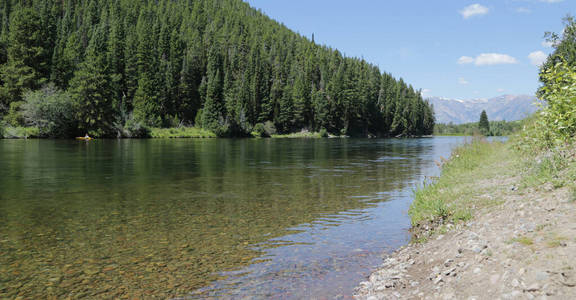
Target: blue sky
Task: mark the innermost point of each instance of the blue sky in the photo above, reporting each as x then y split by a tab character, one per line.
447	48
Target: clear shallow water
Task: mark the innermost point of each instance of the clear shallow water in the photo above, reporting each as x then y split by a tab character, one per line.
304	218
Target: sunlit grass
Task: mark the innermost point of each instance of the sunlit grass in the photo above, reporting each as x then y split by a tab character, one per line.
181	132
452	197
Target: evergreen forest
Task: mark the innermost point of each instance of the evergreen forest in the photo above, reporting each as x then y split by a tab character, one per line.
115	68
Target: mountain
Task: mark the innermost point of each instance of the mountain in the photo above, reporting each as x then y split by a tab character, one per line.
506	107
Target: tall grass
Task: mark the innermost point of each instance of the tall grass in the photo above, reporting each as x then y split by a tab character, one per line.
181	132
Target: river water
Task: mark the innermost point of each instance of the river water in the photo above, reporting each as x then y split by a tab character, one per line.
205	218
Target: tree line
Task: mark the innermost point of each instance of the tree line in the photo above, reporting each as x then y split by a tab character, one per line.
118	67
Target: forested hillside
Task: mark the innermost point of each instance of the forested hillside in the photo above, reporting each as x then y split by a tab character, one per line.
116	67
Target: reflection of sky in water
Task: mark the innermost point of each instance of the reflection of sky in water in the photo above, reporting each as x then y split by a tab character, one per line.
328	257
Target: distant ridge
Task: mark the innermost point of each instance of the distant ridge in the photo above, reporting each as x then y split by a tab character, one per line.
505	107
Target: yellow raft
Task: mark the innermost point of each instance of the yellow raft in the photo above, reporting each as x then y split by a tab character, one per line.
83	138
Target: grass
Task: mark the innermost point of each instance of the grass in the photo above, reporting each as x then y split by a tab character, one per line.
472	179
181	132
556	241
524	240
454	195
302	134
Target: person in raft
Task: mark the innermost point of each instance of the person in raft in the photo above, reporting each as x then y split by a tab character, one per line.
86	136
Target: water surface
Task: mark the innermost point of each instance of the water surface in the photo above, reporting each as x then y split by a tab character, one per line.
297	218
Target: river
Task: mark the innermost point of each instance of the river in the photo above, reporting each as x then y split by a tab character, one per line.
203	218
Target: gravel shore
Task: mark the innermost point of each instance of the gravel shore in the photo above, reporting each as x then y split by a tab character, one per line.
523	247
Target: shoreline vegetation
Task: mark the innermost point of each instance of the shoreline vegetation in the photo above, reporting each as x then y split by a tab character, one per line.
20	132
499	222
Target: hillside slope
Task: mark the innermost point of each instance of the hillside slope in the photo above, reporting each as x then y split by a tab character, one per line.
218	64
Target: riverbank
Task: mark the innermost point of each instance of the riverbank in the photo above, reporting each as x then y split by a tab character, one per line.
498	224
166	133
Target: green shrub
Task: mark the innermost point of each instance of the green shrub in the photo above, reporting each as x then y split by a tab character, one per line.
198	119
266	129
14	116
20	132
131	128
52	111
559	116
259	131
323	133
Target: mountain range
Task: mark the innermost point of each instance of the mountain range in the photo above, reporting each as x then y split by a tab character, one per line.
506	107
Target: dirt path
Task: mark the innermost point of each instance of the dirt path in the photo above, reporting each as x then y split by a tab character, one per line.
522	248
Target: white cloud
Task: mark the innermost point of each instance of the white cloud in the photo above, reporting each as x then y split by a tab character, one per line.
426	92
462	81
537	58
500	90
486	59
523	10
494	59
465	60
474	10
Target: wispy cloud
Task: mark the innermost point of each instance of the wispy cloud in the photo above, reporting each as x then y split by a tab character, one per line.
500	90
537	58
474	10
523	10
486	59
462	81
465	60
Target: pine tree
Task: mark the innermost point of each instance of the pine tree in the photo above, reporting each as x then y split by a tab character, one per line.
213	110
92	90
147	106
483	124
28	55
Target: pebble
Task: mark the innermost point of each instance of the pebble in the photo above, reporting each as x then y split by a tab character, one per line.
515	283
533	288
540	276
516	293
494	279
477	270
521	271
450	271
